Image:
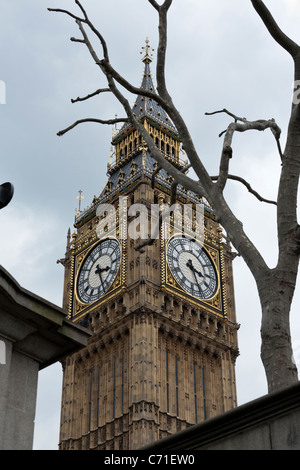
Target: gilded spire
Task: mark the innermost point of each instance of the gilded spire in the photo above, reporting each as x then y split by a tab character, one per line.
148	52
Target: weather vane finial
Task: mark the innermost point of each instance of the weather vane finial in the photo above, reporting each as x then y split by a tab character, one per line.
148	52
80	197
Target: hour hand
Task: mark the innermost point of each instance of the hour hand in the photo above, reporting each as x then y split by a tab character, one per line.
192	268
98	270
190	265
101	270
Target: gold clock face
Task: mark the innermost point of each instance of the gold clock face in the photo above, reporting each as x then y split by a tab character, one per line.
98	271
192	267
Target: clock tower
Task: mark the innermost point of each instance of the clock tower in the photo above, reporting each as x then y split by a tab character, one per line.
158	298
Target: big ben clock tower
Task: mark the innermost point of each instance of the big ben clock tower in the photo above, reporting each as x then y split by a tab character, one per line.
164	343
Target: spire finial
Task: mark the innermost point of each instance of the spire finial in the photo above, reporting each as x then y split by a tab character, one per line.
80	197
148	52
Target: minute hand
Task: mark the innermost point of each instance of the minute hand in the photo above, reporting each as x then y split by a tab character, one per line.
194	271
198	272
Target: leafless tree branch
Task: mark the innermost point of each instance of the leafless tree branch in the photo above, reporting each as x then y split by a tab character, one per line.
111	75
97	92
77	40
273	28
236	118
82	9
108	69
95	31
59	10
154	174
98	121
241	125
161	52
248	186
154	4
88	22
204	186
166	5
173	192
165	101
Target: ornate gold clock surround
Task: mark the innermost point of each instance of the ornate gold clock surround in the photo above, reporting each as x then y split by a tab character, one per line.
213	246
77	308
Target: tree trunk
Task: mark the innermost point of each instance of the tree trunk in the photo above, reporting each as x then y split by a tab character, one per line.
276	293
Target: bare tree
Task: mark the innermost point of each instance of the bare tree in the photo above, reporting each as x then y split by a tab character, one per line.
275	286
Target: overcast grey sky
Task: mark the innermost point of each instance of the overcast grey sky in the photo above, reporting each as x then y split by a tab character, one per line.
219	55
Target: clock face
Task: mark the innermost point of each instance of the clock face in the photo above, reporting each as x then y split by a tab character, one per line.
192	267
98	271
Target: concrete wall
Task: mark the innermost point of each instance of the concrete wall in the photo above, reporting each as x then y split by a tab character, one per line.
271	422
18	388
33	334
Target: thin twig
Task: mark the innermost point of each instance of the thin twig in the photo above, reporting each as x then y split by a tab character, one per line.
59	10
82	9
248	186
98	121
77	40
95	31
236	118
97	92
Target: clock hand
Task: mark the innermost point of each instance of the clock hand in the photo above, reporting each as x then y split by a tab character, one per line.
99	271
194	271
192	268
190	265
198	272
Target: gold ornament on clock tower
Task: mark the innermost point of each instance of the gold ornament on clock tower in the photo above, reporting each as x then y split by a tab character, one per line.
162	352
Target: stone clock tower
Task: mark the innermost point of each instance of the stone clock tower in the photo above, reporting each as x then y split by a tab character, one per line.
164	343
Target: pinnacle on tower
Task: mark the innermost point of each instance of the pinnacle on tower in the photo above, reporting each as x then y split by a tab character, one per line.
148	108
